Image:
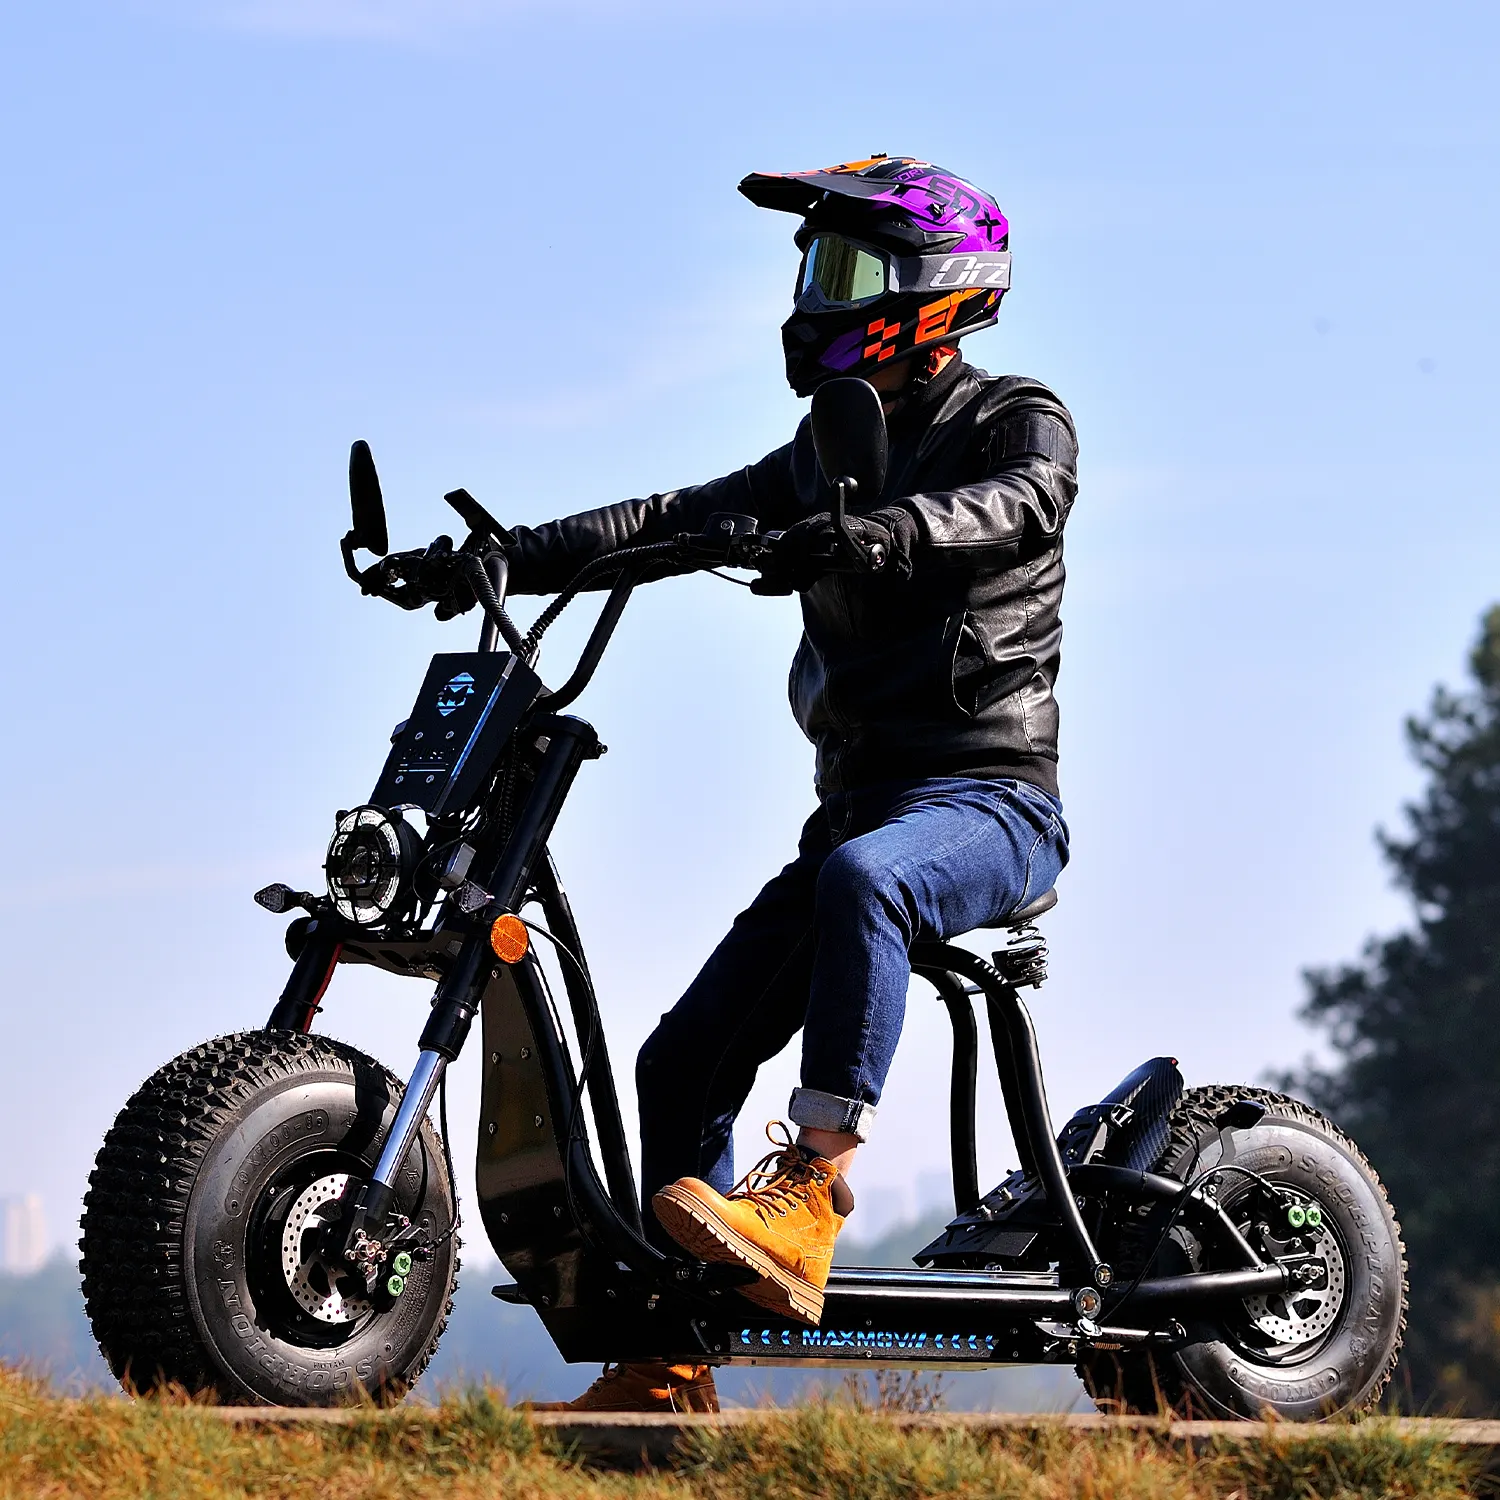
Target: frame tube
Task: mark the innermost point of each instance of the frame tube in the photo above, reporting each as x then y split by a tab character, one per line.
1203	1286
604	1103
593	651
1020	1067
963	1135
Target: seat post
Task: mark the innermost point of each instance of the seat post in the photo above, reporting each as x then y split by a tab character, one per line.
1020	1068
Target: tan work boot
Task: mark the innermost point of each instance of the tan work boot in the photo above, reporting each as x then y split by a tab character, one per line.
779	1221
651	1386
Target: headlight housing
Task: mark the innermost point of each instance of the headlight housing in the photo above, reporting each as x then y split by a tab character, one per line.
370	862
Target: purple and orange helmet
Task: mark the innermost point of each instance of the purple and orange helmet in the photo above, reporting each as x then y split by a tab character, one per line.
898	257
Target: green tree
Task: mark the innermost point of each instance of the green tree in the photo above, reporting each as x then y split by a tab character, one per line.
1415	1028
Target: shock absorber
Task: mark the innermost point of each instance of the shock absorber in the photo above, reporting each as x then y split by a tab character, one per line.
453	1008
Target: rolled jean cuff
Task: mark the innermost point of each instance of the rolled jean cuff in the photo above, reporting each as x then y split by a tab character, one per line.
814	1110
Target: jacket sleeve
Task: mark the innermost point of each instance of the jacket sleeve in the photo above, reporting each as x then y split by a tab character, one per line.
1029	461
544	559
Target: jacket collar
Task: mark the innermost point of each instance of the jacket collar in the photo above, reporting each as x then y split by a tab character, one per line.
919	403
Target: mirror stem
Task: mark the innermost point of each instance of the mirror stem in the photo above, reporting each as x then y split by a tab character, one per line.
843	488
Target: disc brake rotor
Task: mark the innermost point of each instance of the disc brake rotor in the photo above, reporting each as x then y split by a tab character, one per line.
328	1293
1304	1313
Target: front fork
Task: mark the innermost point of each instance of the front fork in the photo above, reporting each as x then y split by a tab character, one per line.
361	1238
454	1004
308	982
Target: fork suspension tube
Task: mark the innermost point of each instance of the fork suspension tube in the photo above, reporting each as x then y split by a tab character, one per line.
415	1103
306	985
453	1008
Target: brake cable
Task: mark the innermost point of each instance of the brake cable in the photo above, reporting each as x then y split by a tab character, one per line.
489	601
586	1061
611	562
433	1246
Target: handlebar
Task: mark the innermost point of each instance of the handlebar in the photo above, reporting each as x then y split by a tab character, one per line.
455	580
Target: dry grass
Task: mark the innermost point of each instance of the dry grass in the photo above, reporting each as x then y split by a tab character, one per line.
836	1453
473	1446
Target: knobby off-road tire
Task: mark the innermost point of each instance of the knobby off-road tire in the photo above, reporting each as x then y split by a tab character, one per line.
1223	1369
202	1199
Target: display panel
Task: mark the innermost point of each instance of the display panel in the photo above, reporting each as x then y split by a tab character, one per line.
469	703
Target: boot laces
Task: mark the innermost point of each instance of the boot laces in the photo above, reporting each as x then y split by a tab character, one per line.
773	1184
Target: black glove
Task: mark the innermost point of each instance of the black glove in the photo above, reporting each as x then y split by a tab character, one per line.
803	553
459	600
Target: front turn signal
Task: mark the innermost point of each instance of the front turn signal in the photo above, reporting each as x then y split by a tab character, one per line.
509	938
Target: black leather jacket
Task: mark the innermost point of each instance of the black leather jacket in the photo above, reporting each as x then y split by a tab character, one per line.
947	673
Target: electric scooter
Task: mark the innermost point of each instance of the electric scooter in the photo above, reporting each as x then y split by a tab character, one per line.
271	1218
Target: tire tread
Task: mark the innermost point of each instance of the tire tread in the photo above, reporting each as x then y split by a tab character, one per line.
1133	1381
132	1249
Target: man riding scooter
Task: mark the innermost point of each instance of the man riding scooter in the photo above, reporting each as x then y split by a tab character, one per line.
925	681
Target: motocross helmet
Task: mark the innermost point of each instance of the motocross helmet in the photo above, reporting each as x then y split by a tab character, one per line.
898	256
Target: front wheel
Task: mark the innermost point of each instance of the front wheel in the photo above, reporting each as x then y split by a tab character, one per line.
1302	1191
201	1264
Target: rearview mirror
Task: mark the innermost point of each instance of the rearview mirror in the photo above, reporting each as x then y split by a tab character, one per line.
848	431
366	502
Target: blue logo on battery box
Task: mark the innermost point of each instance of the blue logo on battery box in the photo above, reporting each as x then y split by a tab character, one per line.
456	692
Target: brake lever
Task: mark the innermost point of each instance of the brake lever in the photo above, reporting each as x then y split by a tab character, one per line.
412	580
393	579
748	551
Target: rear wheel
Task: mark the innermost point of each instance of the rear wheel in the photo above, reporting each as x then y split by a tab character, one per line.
1328	1345
201	1249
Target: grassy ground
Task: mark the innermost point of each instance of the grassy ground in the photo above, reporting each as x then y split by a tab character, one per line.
475	1446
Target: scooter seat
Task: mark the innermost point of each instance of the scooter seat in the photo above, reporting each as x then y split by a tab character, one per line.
1031	911
928	955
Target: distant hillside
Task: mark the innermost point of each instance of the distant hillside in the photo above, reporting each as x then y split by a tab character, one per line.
895	1247
43	1327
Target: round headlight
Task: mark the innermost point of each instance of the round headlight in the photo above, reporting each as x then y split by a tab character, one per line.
369	859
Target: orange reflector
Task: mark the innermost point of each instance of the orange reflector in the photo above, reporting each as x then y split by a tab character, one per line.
509	939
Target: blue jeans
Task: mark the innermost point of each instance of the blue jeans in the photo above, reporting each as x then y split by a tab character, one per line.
823	949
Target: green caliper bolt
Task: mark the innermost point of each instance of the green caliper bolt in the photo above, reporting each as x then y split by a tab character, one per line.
1314	1216
1296	1216
401	1264
395	1285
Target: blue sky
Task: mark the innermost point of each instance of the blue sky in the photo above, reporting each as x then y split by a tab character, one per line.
1253	252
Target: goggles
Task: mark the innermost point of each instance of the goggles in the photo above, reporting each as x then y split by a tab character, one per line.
838	273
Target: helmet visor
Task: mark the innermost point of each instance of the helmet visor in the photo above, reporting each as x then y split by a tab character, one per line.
838	273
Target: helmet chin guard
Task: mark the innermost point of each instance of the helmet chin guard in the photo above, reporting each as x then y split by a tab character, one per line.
899	257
